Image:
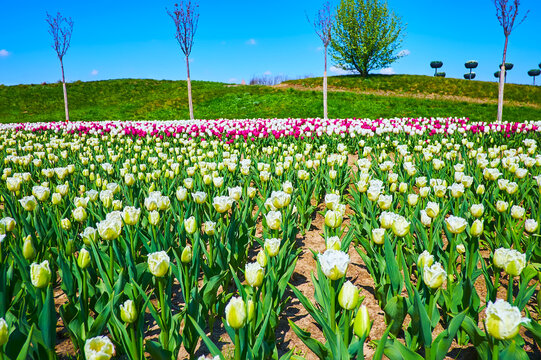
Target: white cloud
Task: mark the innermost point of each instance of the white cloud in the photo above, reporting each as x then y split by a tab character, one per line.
339	71
268	72
4	53
94	72
387	71
404	52
251	42
233	80
319	48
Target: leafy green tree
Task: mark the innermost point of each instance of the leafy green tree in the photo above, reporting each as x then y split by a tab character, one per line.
366	36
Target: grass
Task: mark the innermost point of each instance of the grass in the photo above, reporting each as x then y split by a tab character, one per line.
419	84
138	99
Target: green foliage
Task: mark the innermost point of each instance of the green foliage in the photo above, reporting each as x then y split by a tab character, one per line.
366	36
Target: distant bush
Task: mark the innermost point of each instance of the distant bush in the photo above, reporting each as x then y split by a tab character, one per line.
440	74
469	76
436	65
533	73
472	64
508	66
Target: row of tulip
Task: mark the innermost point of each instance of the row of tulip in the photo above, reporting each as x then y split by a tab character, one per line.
199	233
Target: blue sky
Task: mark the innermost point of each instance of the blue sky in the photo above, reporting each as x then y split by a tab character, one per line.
238	39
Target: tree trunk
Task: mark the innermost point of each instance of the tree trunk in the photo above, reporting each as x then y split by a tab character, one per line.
502	82
65	92
325	87
189	88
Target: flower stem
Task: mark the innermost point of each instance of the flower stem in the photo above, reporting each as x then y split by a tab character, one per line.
346	327
495	350
165	327
510	290
134	347
111	263
85	301
450	263
332	313
237	345
360	352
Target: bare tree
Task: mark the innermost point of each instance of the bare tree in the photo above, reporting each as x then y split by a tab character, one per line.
186	16
323	26
61	29
506	14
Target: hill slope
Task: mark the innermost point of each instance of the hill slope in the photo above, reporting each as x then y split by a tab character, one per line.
350	96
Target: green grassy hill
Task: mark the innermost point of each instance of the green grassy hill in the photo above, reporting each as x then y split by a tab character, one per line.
350	96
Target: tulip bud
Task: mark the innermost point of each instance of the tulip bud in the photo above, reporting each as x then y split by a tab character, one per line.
413	199
425	259
117	205
28	248
503	320
455	224
109	229
461	249
128	312
129	179
40	274
8	224
29	203
530	225
434	276
83	260
272	246
502	206
70	247
334	263
517	212
254	274
480	189
401	227
251	310
274	220
333	219
378	236
79	214
131	215
333	243
187	254
262	258
181	194
4	332
477	228
158	263
154	217
190	225
65	224
477	210
235	313
99	348
348	298
362	324
89	235
424	191
514	262
432	209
